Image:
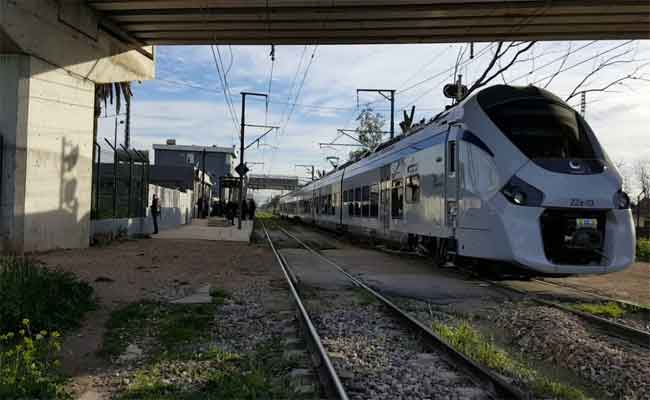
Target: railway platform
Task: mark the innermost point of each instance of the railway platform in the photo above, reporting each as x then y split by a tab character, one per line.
214	229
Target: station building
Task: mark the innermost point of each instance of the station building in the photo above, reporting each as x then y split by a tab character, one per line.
218	160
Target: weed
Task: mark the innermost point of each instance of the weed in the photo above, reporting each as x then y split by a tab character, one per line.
219	295
50	299
220	375
470	342
171	325
29	367
362	297
609	309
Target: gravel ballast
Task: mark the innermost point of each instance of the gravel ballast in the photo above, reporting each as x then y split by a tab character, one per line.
377	358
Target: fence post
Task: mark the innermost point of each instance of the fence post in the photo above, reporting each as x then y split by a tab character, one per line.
97	182
143	198
128	208
114	177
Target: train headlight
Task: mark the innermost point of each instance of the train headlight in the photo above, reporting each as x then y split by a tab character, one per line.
621	200
522	194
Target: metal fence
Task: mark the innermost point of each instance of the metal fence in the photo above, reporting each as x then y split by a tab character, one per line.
120	184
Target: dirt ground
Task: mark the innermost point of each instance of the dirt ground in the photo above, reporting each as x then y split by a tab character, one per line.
155	269
632	284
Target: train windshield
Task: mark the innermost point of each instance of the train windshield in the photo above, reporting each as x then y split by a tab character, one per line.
542	129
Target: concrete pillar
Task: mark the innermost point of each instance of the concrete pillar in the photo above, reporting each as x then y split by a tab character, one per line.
46	120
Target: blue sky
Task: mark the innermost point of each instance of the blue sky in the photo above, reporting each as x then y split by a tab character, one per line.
186	102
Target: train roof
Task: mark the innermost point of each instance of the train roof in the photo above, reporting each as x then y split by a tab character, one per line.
499	94
487	97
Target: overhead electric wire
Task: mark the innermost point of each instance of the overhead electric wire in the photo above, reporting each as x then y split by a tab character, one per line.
225	79
293	83
302	83
225	93
584	61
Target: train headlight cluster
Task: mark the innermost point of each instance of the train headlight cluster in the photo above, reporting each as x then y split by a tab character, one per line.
522	194
621	200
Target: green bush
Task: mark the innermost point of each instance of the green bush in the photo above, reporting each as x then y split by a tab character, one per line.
643	250
52	300
29	367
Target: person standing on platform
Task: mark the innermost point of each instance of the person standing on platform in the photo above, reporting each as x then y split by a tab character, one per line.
251	209
155	212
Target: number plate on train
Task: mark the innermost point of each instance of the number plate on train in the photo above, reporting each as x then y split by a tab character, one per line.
586	223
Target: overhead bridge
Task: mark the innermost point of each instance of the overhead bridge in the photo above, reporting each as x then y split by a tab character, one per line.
371	21
274	182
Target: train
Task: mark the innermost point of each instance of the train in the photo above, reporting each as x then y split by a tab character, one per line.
509	176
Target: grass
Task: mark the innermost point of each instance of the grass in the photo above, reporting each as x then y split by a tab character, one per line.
219	295
226	376
171	326
470	342
609	309
362	297
643	250
50	299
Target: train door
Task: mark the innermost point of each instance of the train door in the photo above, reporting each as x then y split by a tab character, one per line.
451	179
384	197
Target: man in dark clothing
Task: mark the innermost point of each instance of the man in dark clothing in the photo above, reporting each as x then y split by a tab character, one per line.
251	209
231	209
244	213
155	211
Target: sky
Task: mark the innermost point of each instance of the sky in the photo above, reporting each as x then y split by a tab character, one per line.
313	93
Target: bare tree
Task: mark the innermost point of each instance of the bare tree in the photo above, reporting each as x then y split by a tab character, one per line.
642	176
616	59
500	54
626	175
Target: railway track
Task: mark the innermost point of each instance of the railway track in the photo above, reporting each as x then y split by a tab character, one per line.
493	384
612	328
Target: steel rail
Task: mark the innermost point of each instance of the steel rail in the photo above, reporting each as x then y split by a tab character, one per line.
625	303
333	383
499	387
634	335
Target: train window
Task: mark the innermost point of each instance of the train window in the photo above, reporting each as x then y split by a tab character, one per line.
330	208
374	201
357	202
542	129
413	189
451	160
397	199
365	199
350	203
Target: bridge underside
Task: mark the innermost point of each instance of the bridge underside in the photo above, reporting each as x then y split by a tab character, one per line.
373	21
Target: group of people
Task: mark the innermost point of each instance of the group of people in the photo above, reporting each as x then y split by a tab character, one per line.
230	210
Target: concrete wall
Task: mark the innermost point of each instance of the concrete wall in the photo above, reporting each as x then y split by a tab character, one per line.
59	159
176	210
14	87
47	119
176	207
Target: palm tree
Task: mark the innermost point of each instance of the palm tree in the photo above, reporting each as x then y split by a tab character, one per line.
107	92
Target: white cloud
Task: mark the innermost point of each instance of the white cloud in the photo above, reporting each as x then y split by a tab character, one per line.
163	110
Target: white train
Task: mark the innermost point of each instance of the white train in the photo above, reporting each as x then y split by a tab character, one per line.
510	174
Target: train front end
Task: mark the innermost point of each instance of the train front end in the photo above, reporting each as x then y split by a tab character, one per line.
562	211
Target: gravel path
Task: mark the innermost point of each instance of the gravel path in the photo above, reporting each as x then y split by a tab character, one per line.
376	358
